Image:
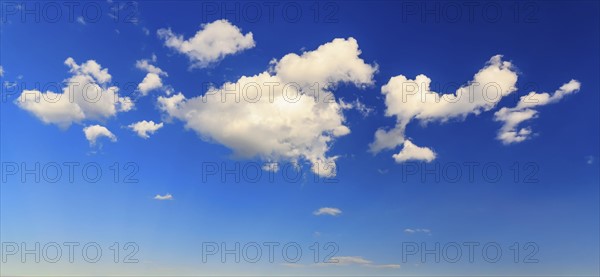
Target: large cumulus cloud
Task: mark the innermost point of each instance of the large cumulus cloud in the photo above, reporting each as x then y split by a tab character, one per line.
287	113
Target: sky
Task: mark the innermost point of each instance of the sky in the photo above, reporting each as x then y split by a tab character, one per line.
305	138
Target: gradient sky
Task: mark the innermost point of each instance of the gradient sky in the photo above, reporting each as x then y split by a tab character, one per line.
547	193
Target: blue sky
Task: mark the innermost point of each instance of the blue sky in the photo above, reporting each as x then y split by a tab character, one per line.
172	195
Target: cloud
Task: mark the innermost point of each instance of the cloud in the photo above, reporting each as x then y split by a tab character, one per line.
273	167
512	117
275	116
93	132
409	100
345	261
328	211
152	81
167	196
147	66
210	44
357	105
388	139
142	128
384	265
357	260
9	84
294	265
413	231
86	96
1	71
412	152
115	9
331	63
589	159
383	171
81	20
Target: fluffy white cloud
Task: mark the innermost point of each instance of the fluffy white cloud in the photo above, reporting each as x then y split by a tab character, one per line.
147	66
210	44
152	81
328	211
330	64
409	100
86	96
412	152
167	196
93	132
279	117
143	128
512	117
388	139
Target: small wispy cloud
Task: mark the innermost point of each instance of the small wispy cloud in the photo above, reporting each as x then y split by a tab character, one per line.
10	85
328	211
272	167
359	106
81	20
167	196
413	231
293	265
589	159
346	261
